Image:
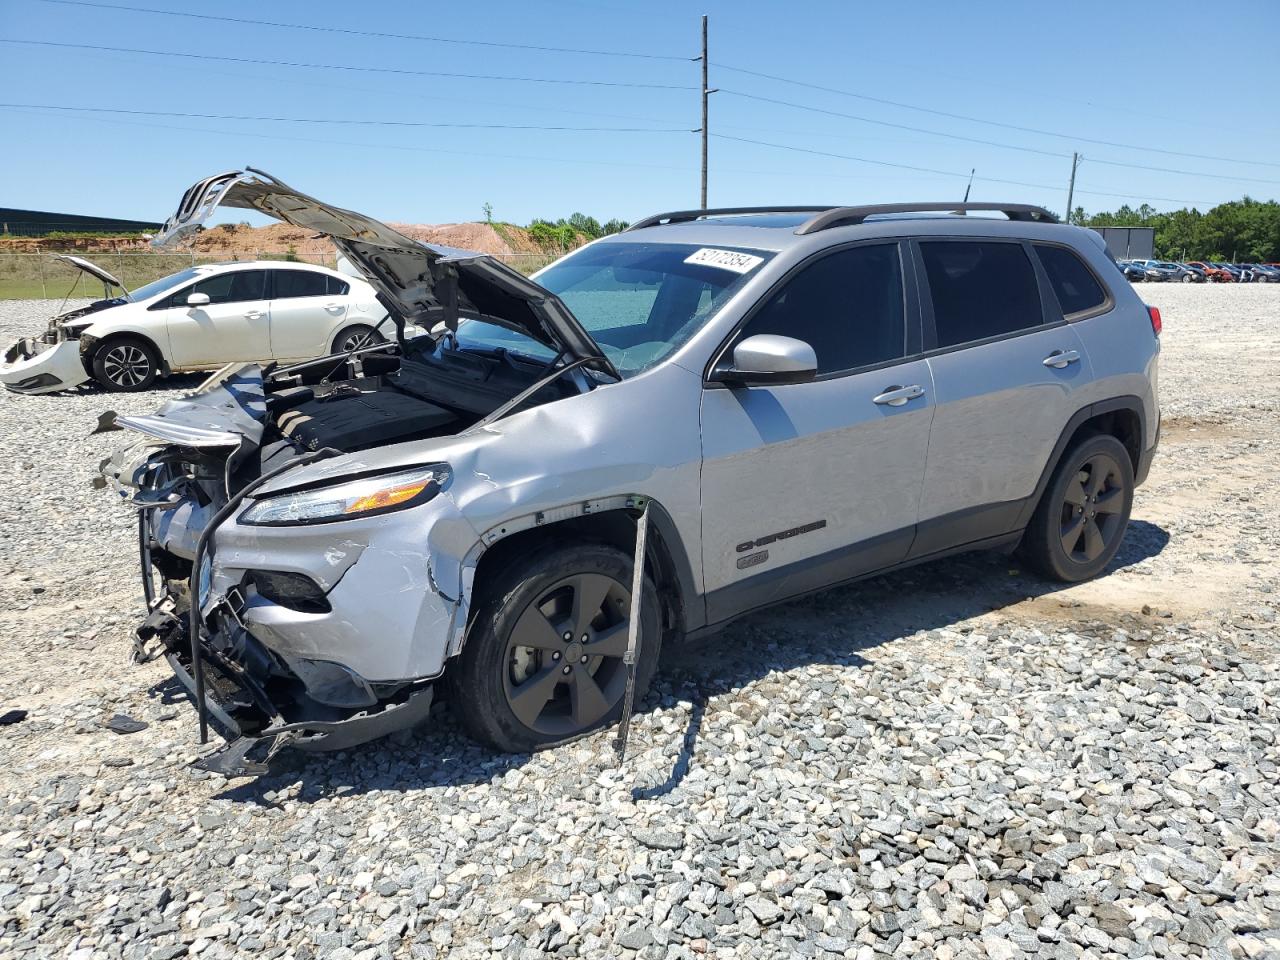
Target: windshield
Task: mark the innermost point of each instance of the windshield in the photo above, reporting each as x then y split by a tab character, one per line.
639	301
156	287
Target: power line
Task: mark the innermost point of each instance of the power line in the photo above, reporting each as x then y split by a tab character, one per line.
336	120
889	123
988	143
488	155
366	33
348	67
994	123
947	173
348	87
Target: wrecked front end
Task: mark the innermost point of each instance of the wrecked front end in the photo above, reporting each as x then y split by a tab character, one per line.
285	626
52	360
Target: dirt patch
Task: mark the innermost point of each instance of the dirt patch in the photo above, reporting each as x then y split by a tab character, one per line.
1194	429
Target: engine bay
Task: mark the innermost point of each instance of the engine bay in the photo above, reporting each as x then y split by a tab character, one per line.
411	391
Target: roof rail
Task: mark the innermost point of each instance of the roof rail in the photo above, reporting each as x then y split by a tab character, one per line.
685	216
849	216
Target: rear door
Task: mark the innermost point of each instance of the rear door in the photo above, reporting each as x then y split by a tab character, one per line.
1007	371
307	310
808	484
234	325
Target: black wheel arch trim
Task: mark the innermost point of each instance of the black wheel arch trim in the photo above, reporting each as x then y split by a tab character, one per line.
691	602
1146	452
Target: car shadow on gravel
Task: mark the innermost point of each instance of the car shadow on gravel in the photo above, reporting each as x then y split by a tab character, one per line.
830	628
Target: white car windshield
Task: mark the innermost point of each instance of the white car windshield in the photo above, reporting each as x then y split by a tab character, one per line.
157	287
639	301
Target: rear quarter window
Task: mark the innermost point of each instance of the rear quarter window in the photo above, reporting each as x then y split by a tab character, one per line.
1078	290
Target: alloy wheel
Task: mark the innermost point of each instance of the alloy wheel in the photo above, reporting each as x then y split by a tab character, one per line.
563	665
1092	509
355	340
126	365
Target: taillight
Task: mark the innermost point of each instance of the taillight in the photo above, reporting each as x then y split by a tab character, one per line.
1156	323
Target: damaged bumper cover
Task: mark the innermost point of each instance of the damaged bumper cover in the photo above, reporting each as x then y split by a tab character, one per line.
34	365
241	708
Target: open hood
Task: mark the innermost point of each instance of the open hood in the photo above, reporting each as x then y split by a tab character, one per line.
92	269
418	283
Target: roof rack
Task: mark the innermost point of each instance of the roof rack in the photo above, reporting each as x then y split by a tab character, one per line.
849	216
685	216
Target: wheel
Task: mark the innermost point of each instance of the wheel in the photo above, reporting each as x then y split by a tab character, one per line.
544	663
1081	519
1186	278
126	364
355	336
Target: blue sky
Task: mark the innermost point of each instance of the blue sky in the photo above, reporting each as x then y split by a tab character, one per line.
1180	77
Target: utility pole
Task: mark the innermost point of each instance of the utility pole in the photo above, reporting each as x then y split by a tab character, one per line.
705	93
1071	187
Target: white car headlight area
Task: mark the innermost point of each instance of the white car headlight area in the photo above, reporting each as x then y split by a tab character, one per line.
348	500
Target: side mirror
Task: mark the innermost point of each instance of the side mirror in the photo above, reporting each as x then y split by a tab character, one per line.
767	359
198	300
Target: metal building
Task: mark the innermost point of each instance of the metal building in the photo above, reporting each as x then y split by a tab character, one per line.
1129	243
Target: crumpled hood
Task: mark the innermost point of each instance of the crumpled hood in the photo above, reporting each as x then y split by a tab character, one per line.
227	410
418	283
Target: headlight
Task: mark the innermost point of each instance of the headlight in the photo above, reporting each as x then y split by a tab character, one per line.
346	501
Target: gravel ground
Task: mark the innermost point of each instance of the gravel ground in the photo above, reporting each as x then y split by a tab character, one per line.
956	761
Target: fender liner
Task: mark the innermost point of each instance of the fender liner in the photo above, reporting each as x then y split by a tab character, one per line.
1129	403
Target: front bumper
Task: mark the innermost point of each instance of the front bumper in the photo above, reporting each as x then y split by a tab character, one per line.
33	365
251	697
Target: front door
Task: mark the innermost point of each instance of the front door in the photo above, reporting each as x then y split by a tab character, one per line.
235	325
306	312
808	484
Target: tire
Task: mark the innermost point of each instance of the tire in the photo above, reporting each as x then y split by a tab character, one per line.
1071	537
126	364
356	335
518	698
1186	278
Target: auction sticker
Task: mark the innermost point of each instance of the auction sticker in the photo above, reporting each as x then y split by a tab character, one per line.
725	259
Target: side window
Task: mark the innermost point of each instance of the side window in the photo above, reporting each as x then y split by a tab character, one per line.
980	289
299	283
335	287
233	287
847	306
1077	288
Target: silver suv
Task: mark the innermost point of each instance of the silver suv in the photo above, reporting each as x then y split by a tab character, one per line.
793	398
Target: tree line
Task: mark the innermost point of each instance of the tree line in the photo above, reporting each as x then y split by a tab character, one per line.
569	231
1241	231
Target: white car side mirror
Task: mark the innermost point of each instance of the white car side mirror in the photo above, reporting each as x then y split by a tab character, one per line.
198	300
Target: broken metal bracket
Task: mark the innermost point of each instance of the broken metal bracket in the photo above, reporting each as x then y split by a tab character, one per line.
631	657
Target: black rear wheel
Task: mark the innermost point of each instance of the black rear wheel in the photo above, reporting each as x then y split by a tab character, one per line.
1081	519
544	661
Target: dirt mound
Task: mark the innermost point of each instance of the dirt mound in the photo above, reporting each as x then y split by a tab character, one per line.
241	241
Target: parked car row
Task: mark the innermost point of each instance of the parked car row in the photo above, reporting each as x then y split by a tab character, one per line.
1198	271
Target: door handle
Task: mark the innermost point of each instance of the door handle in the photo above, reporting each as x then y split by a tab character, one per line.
896	396
1060	358
333	306
253	314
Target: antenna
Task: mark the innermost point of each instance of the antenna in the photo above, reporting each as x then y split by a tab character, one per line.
970	184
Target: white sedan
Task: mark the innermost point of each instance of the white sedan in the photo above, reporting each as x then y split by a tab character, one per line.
196	319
